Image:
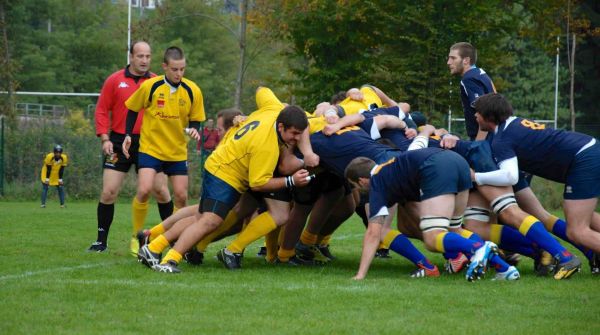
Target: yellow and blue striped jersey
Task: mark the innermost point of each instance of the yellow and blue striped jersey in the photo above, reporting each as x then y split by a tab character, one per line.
166	116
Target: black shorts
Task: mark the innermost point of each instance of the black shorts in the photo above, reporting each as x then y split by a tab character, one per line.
117	161
323	183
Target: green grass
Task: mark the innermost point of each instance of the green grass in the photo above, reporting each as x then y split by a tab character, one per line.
50	285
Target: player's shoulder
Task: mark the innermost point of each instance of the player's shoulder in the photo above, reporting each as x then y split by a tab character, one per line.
190	84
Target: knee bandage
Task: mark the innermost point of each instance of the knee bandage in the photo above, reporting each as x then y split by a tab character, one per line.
477	214
503	202
429	223
456	222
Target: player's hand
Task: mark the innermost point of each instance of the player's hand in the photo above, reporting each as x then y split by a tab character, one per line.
237	120
311	160
107	148
60	182
47	181
410	133
126	145
427	130
448	141
193	133
330	129
301	178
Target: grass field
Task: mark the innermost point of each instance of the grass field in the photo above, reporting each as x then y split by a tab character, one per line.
50	285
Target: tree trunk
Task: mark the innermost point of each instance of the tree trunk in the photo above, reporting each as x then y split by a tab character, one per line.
6	64
572	88
240	74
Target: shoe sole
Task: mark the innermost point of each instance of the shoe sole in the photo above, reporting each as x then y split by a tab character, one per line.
221	259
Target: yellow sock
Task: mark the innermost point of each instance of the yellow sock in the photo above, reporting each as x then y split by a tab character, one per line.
159	244
156	231
549	223
308	238
439	241
272	243
139	211
284	255
387	240
496	233
526	224
172	255
230	220
257	228
324	240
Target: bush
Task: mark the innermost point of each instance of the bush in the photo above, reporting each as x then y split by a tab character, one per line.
31	140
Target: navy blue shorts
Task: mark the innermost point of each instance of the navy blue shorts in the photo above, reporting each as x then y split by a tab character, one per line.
217	196
583	178
178	168
445	172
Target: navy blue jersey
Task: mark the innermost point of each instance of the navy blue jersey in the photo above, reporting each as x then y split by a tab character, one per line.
397	136
474	84
541	151
398	179
336	151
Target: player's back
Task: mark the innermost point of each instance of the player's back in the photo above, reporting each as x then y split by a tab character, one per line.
243	158
542	151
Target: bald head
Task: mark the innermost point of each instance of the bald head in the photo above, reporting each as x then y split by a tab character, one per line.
140	56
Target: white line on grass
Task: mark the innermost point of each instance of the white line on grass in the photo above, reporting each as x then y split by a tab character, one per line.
60	269
206	285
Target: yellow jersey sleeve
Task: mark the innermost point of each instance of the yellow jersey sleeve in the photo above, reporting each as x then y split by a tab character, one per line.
47	161
139	99
315	123
370	96
197	109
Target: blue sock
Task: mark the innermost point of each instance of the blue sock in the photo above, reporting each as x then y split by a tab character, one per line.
559	228
536	232
496	260
512	240
404	247
455	243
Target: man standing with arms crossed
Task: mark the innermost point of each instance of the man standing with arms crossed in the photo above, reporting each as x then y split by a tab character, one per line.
110	116
473	84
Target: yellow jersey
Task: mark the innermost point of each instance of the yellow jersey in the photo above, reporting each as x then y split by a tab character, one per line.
315	123
248	155
55	167
166	115
350	106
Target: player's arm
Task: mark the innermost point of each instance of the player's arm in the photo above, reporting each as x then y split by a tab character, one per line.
389	122
506	175
387	101
298	179
370	244
192	130
288	162
422	139
102	113
310	158
129	124
474	91
348	120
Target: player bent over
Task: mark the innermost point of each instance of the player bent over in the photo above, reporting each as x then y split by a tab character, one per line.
439	181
